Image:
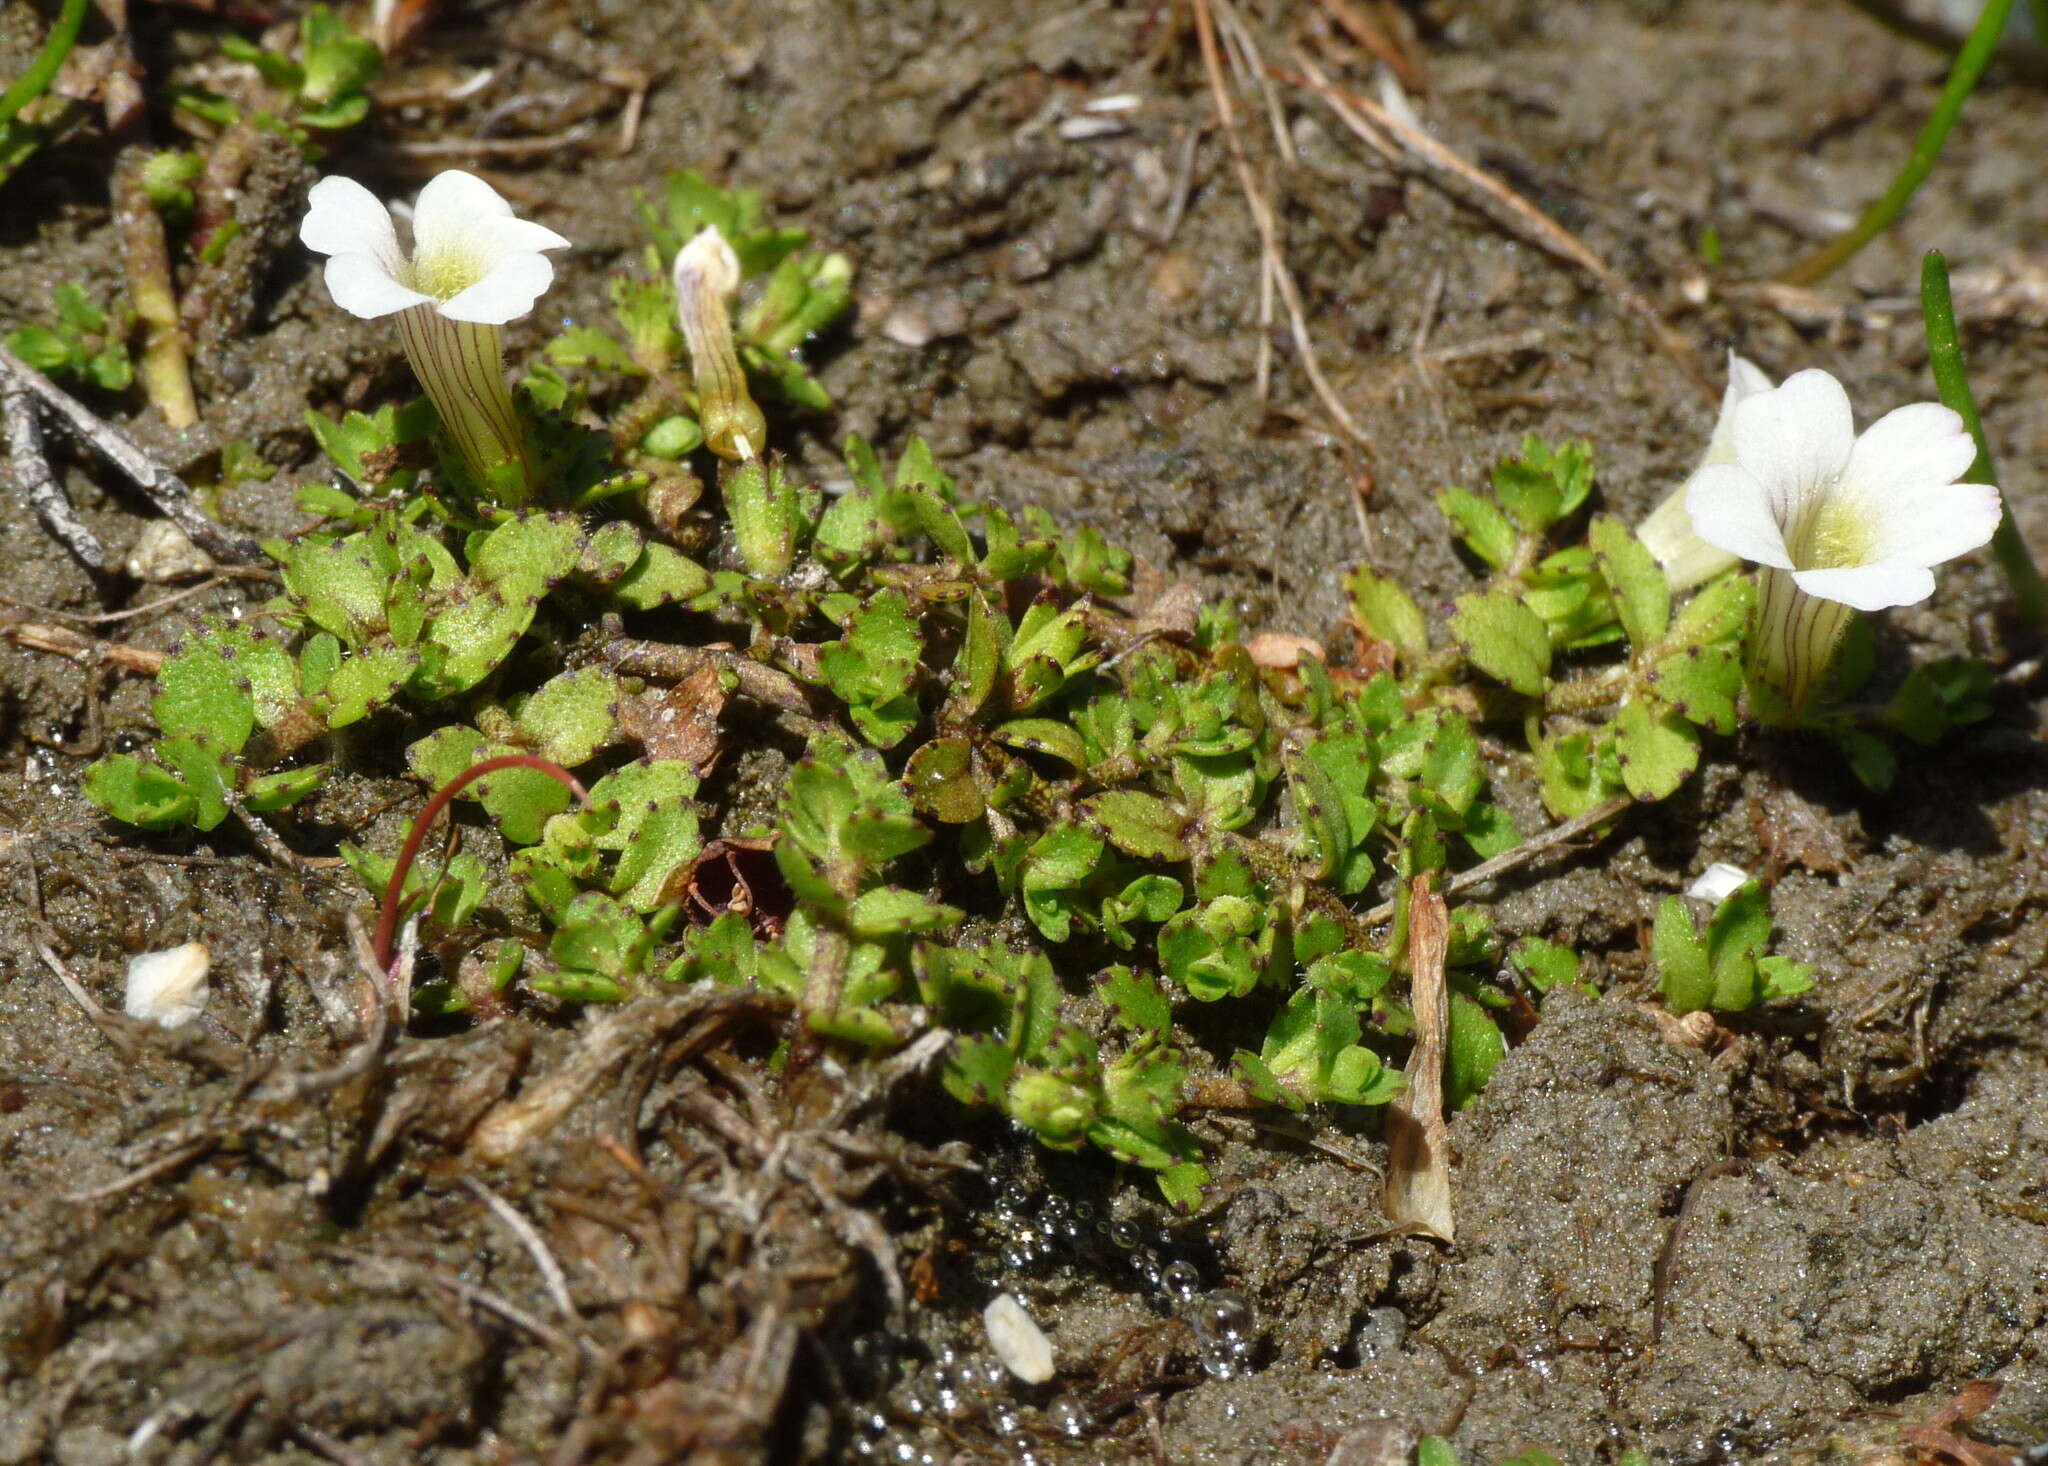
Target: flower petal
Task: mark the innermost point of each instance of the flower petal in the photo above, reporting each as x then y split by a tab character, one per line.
1745	380
343	217
1873	587
1795	439
362	286
1731	510
500	233
1935	523
450	208
505	294
1917	447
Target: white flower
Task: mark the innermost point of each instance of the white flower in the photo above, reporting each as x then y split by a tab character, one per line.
1667	531
471	259
1859	520
473	267
169	987
1836	520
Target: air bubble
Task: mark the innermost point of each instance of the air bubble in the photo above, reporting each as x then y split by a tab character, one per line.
1125	1234
1181	1282
1069	1417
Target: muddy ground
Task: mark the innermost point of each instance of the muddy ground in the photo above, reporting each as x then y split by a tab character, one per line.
264	1242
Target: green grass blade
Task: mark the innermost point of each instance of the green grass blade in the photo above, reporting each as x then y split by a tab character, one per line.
1945	357
1880	216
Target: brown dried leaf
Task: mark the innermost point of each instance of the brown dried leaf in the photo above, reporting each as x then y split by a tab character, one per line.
679	722
1418	1193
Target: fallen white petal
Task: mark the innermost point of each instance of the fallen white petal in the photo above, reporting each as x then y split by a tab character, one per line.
1018	1340
169	987
1718	882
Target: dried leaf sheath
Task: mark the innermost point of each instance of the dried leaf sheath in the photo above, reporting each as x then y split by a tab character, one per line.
1418	1195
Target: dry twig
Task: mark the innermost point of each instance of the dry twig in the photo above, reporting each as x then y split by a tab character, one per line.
163	488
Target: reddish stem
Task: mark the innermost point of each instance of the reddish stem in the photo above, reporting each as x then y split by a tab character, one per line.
394	892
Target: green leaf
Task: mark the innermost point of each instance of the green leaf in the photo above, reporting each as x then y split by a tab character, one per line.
1781	977
1149	898
1938	697
1388	613
1577	771
1136	1000
42	348
1685	978
1718	612
1642	596
202	767
1138	824
940	778
1545	484
1657	749
889	911
570	717
1475	1049
1055	869
1183	1184
139	793
1504	639
873	666
769	512
199	694
366	680
1434	1450
511	567
1546	966
1701	683
1044	735
655	834
1489	830
1870	757
1737	934
661	577
283	789
591	346
1483	528
1451	767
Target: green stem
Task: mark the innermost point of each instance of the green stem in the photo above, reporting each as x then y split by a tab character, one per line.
43	70
1945	359
1880	216
2040	13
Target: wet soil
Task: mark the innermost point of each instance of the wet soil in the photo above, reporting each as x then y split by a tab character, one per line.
279	1238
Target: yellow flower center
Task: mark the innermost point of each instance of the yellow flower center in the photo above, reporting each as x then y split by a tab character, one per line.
1834	535
445	273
